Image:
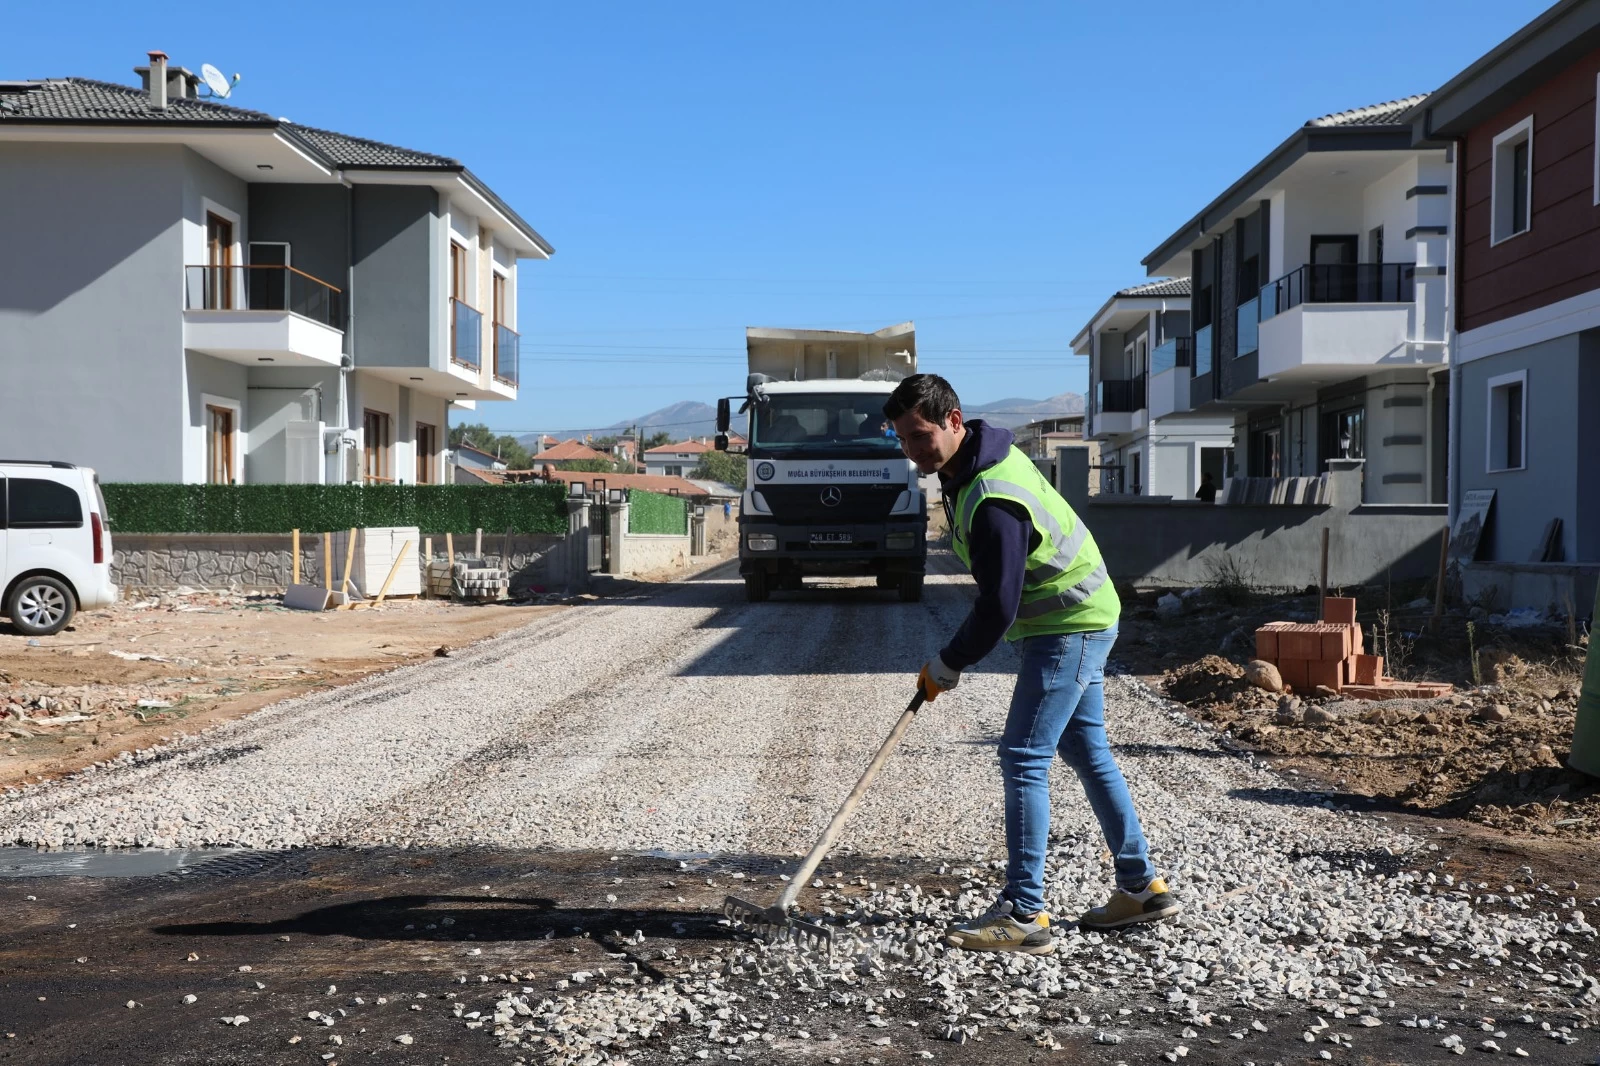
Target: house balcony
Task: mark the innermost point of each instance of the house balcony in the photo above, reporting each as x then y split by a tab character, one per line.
268	314
1119	405
1327	322
1171	365
507	354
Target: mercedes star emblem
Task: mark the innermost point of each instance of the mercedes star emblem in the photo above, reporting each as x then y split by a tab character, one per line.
831	496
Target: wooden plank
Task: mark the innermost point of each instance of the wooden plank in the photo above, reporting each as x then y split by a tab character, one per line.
327	561
427	567
349	561
294	550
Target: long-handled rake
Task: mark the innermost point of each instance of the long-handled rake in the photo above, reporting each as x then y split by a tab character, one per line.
776	922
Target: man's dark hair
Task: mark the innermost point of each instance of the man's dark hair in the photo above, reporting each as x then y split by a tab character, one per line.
928	394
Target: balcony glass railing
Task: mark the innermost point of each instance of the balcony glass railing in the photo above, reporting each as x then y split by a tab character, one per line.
1336	283
507	345
1202	351
1112	397
466	334
1173	352
263	288
1249	319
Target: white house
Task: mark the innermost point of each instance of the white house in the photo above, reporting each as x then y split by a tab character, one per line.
212	294
1138	346
675	460
1318	302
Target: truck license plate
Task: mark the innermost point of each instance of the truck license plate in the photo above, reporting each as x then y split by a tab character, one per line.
831	538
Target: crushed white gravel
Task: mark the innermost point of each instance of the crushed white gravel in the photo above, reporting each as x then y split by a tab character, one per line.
693	722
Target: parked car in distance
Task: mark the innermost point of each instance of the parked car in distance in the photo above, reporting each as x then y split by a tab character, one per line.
55	547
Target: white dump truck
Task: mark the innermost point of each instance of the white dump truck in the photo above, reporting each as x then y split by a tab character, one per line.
828	491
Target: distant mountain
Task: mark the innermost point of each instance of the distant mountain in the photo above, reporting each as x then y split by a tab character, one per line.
691	418
684	419
1015	411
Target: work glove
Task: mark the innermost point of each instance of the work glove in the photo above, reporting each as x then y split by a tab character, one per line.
936	677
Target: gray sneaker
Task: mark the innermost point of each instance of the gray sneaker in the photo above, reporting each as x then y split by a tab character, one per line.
1000	929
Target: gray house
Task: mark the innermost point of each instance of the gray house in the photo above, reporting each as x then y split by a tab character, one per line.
210	294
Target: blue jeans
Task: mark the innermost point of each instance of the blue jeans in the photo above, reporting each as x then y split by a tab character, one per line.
1059	705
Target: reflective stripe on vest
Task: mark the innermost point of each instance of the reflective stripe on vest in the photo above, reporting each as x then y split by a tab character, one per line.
1066	545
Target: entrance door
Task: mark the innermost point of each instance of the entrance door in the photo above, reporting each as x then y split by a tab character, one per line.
375	427
219	445
267	277
219	262
1214	461
1266	452
1333	269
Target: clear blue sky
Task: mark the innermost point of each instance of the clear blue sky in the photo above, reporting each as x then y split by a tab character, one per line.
991	171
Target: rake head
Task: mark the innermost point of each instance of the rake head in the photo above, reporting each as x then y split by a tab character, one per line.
774	923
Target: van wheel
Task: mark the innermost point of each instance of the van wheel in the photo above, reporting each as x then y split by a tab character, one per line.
40	606
755	586
910	588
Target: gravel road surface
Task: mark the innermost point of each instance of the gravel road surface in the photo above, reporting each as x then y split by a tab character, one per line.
691	725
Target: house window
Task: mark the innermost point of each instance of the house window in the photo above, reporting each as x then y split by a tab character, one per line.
674	471
219	445
1512	182
1508	422
1375	245
427	452
377	430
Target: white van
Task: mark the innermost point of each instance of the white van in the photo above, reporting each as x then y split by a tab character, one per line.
55	549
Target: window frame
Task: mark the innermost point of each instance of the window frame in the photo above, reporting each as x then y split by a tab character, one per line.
1500	182
1597	141
1493	427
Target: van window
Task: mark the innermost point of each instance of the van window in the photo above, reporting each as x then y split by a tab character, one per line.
34	503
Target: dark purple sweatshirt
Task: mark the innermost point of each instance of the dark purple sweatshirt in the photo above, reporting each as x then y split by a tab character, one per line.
999	542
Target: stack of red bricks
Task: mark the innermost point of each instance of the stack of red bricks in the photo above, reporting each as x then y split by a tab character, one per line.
1330	654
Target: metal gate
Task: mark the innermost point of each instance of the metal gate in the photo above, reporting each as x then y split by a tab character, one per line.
599	537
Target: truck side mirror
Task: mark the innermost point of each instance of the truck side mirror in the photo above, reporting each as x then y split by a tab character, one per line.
722	442
724	416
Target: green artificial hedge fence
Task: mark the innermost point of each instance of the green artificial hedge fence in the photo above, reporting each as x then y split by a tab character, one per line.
460	509
651	512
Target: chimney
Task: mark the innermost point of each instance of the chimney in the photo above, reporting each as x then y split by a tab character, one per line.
156	80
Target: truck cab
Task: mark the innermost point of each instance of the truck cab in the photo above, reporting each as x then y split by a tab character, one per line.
828	491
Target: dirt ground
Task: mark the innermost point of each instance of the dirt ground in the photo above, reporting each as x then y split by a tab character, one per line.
1492	753
129	677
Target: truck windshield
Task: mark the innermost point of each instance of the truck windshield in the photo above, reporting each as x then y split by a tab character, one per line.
823	424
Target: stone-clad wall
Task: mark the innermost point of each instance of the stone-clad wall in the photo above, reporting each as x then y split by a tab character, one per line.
261	562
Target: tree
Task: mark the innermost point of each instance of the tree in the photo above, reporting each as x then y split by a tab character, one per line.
720	466
656	440
506	447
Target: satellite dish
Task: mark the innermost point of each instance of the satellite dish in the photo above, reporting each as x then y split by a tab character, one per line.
216	81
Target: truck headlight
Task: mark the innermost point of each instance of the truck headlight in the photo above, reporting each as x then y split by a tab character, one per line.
762	542
899	542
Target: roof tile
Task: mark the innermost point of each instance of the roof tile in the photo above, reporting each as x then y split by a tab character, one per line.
1384	114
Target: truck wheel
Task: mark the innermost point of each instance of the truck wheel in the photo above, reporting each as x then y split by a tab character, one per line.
755	586
910	588
888	581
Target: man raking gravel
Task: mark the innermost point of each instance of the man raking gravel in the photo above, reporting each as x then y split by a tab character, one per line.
1041	584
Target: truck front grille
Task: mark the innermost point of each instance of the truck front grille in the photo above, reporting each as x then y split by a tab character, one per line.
857	503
